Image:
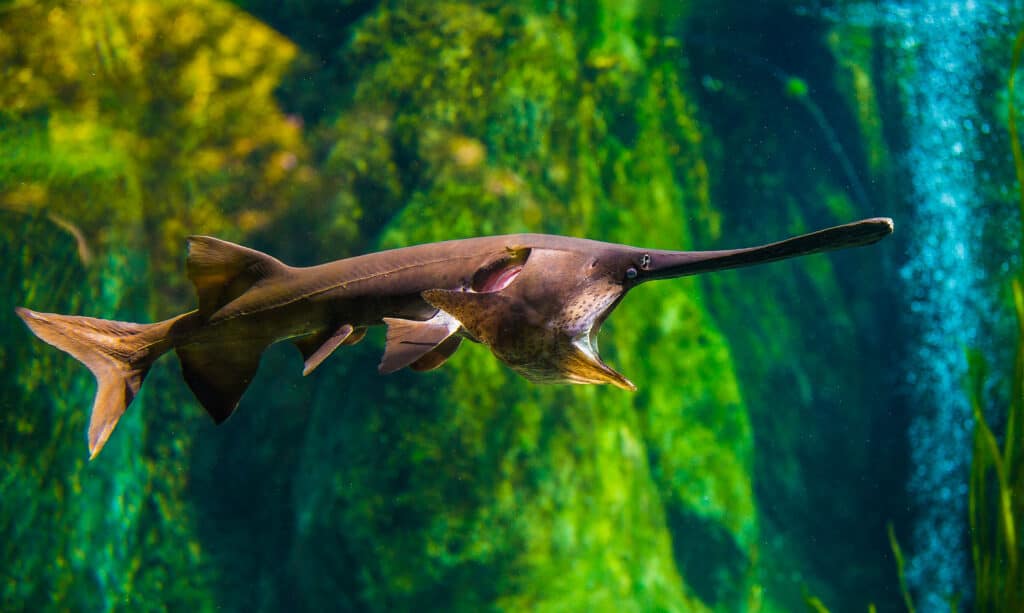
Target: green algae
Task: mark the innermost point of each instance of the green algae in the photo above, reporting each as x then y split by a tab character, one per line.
463	489
590	487
776	318
105	155
87	536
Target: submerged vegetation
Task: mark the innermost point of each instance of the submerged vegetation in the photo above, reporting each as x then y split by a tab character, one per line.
997	471
758	462
997	489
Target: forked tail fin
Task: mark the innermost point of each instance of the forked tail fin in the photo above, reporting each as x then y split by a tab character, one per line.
119	355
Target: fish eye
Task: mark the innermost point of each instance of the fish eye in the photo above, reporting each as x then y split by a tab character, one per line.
645	261
631	273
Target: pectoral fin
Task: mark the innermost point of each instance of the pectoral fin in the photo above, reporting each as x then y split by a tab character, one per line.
438	356
478	312
316	348
409	340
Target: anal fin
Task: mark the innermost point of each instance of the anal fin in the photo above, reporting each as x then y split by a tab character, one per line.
316	348
218	374
409	340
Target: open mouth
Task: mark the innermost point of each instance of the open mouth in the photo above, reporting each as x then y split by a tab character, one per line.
586	363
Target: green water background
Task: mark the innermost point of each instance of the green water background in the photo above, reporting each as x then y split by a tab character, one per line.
758	463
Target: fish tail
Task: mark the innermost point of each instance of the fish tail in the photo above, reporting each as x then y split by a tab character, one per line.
118	353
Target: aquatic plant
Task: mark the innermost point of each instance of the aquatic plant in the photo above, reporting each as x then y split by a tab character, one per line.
129	122
174	152
997	489
466	489
901	568
776	319
996	499
647	465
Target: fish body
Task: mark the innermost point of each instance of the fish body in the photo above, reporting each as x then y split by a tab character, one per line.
536	301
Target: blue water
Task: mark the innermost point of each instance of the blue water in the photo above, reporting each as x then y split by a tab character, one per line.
944	276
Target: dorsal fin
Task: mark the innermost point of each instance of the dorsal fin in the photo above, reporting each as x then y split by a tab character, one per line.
223	271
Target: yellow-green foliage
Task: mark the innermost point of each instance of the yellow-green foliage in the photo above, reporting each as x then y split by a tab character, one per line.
123	127
153	115
570	497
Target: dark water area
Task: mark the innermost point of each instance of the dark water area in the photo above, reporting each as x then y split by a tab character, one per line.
833	432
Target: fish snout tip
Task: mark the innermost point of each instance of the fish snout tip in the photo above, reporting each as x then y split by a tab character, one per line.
883	225
871	230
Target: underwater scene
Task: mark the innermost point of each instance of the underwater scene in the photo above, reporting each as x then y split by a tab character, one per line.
838	431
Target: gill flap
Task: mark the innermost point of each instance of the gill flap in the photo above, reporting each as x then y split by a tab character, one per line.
409	340
317	347
499	274
223	271
219	373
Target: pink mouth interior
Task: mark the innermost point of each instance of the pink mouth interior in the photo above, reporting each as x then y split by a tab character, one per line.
500	279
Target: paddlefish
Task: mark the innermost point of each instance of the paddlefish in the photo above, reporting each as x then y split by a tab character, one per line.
536	301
